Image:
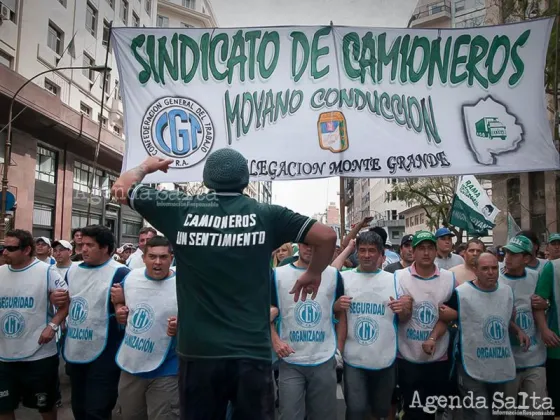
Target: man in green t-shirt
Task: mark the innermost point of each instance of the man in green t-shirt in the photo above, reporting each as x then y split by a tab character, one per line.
222	243
548	325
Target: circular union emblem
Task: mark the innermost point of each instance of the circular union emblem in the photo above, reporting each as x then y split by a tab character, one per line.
308	313
424	313
495	330
524	319
366	330
13	324
142	318
78	311
177	128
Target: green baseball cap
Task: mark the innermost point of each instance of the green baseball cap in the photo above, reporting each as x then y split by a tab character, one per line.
421	236
554	237
520	244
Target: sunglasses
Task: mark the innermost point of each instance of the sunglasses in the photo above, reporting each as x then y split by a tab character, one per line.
12	248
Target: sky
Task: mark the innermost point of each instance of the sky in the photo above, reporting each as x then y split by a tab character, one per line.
311	196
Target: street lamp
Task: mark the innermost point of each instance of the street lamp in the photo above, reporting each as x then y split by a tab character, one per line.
8	145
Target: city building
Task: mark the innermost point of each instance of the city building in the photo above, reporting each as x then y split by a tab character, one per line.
57	117
185	14
449	14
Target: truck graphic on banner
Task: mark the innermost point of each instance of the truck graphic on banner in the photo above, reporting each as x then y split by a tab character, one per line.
491	128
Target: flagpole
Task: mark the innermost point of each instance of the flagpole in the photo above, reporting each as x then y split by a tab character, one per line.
98	145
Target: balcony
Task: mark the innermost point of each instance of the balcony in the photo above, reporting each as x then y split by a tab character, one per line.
388	223
432	15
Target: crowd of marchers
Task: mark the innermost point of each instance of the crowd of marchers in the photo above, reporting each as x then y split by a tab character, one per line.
395	328
433	321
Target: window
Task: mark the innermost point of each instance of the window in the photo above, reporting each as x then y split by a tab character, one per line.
395	234
135	20
149	7
91	19
437	8
422	218
131	228
117	130
162	21
3	135
6	59
102	120
84	109
394	215
88	62
124	11
55	38
107	77
105	33
111	3
108	183
117	93
416	220
189	3
459	5
42	220
82	174
79	220
45	165
186	25
52	88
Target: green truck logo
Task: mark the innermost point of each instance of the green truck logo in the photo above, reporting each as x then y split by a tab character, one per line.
490	128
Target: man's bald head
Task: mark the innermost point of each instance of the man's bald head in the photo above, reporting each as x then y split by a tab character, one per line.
487	270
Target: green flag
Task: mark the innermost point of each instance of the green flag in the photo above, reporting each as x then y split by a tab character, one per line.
472	209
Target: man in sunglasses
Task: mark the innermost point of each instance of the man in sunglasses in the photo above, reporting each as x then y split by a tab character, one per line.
28	350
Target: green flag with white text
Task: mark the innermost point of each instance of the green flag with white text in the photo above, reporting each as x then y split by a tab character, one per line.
472	210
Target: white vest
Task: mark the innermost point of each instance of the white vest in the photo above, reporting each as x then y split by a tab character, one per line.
556	287
150	303
523	289
24	303
484	318
88	316
308	327
371	342
428	295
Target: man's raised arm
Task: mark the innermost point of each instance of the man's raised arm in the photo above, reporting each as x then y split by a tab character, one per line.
130	178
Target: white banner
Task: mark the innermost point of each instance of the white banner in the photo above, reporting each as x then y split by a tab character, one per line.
311	102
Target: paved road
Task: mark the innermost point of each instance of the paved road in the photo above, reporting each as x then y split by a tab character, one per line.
65	413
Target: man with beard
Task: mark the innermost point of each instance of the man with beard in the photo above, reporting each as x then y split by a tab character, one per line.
407	257
93	335
466	272
372	303
306	342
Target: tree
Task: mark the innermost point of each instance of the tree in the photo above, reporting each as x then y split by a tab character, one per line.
519	10
434	195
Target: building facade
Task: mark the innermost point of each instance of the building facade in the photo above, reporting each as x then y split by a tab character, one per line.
57	117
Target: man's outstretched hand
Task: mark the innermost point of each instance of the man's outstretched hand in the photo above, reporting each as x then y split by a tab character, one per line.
154	164
308	283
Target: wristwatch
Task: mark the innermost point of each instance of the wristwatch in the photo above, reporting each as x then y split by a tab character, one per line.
432	338
54	326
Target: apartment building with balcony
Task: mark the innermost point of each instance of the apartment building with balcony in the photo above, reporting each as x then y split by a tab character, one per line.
57	116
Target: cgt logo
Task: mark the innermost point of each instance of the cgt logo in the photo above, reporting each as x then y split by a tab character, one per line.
178	128
495	330
13	324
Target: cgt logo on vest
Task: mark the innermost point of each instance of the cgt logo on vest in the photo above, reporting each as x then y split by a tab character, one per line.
142	318
78	312
177	128
308	313
13	324
424	313
495	330
524	319
366	330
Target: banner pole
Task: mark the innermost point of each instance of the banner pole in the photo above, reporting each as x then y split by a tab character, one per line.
342	196
555	79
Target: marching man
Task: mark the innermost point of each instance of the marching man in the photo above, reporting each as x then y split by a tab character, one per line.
28	350
370	307
146	301
306	342
531	373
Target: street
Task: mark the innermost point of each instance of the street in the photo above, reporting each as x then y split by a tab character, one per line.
65	413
